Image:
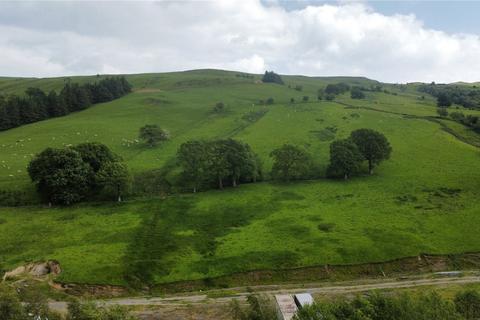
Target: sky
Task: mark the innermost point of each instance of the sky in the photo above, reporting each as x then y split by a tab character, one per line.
390	41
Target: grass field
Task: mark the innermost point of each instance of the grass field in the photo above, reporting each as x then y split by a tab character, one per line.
425	199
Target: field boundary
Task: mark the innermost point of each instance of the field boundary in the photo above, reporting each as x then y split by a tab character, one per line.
433	119
401	267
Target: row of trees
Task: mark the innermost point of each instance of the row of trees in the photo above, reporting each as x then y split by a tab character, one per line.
468	97
346	156
332	90
36	105
69	175
222	162
91	170
219	162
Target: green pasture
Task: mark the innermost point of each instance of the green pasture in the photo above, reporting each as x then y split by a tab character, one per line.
425	199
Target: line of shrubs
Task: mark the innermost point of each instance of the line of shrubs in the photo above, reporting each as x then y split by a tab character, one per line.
370	306
470	121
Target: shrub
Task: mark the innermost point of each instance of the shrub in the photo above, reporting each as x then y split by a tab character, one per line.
357	93
467	303
272	77
219	107
442	112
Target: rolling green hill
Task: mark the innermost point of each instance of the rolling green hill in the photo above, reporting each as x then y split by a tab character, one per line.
425	199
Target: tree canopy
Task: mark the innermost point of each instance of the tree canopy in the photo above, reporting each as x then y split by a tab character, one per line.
69	175
153	134
289	163
336	89
217	161
345	159
35	105
373	146
272	77
357	93
62	177
466	96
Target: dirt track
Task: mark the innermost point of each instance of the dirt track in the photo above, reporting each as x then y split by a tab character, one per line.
339	288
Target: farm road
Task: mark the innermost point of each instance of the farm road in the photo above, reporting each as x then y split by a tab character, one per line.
182	300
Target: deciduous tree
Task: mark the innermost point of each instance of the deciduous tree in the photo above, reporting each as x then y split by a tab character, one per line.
345	159
61	176
289	162
373	145
153	134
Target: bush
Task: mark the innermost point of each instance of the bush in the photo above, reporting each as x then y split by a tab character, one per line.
457	116
270	101
260	307
305	99
467	303
337	89
357	93
14	198
219	107
153	134
272	77
442	112
381	307
289	163
330	96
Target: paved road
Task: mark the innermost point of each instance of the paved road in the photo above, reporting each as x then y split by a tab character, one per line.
182	300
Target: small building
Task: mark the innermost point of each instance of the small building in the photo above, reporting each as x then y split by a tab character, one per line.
286	306
303	299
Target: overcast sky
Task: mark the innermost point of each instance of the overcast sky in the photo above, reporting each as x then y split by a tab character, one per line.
387	41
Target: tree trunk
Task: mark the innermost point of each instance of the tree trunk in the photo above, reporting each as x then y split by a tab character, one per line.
220	183
118	194
345	177
370	167
234	182
194	189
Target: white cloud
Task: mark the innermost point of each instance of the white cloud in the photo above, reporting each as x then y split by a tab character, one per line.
58	38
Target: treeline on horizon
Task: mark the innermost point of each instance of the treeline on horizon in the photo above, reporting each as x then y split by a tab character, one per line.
447	95
37	105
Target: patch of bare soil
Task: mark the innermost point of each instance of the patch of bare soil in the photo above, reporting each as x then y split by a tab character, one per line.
98	291
34	269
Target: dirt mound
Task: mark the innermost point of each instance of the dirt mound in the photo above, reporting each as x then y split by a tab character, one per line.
34	269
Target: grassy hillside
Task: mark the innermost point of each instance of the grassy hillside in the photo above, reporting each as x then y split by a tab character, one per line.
424	199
